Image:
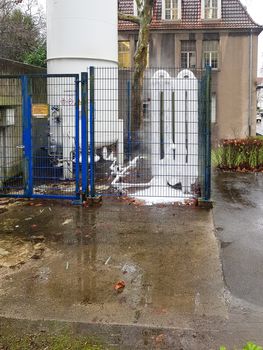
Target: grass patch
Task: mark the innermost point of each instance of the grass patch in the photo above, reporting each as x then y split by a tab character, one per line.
44	341
239	155
249	346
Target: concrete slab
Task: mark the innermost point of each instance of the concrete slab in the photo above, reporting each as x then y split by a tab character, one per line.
168	258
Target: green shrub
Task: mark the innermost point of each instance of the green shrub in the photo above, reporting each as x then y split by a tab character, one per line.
243	154
249	346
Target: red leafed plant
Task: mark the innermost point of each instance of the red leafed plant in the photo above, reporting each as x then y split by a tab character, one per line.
239	155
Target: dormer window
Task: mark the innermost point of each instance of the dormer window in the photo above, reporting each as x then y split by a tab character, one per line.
171	10
211	9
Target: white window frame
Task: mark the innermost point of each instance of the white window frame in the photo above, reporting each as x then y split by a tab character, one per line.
213	108
188	52
128	52
219	11
210	53
179	11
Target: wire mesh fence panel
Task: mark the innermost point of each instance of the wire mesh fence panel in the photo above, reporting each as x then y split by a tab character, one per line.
12	167
39	136
147	138
55	135
147	133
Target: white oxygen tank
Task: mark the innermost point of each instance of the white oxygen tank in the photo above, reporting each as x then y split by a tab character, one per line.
81	34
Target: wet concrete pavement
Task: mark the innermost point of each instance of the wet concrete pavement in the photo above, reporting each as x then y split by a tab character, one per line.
238	217
167	257
175	296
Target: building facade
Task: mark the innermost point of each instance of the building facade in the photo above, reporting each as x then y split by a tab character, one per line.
195	33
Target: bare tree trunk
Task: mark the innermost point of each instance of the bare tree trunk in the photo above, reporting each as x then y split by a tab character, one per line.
145	13
143	19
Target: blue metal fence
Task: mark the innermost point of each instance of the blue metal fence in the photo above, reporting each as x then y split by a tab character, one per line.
65	138
43	142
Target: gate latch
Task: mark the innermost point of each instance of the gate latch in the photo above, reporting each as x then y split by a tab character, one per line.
20	146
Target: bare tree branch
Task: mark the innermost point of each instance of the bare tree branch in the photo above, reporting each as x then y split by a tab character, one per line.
145	10
128	18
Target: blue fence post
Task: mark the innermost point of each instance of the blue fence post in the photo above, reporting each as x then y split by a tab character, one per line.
27	138
84	134
201	135
77	136
129	119
92	132
208	134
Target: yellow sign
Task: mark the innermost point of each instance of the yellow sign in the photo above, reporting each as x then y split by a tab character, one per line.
40	110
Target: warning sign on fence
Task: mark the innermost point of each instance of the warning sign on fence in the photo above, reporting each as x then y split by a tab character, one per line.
40	110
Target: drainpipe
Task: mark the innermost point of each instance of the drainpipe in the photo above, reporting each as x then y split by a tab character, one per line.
250	82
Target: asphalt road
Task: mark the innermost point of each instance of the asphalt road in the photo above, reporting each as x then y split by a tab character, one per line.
238	216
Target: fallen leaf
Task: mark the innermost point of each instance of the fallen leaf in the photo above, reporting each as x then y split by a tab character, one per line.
119	286
159	339
66	222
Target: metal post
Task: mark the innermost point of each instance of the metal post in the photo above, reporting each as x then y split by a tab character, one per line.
84	133
129	119
250	92
208	134
162	125
186	127
77	136
173	121
92	133
27	138
201	133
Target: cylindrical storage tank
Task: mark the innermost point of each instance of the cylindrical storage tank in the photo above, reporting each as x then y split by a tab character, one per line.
81	34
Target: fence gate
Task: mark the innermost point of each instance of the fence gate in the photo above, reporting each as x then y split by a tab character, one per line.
160	151
39	136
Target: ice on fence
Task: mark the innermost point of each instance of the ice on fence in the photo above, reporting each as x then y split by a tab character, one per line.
173	136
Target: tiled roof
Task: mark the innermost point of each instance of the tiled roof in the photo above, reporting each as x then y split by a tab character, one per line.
234	16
